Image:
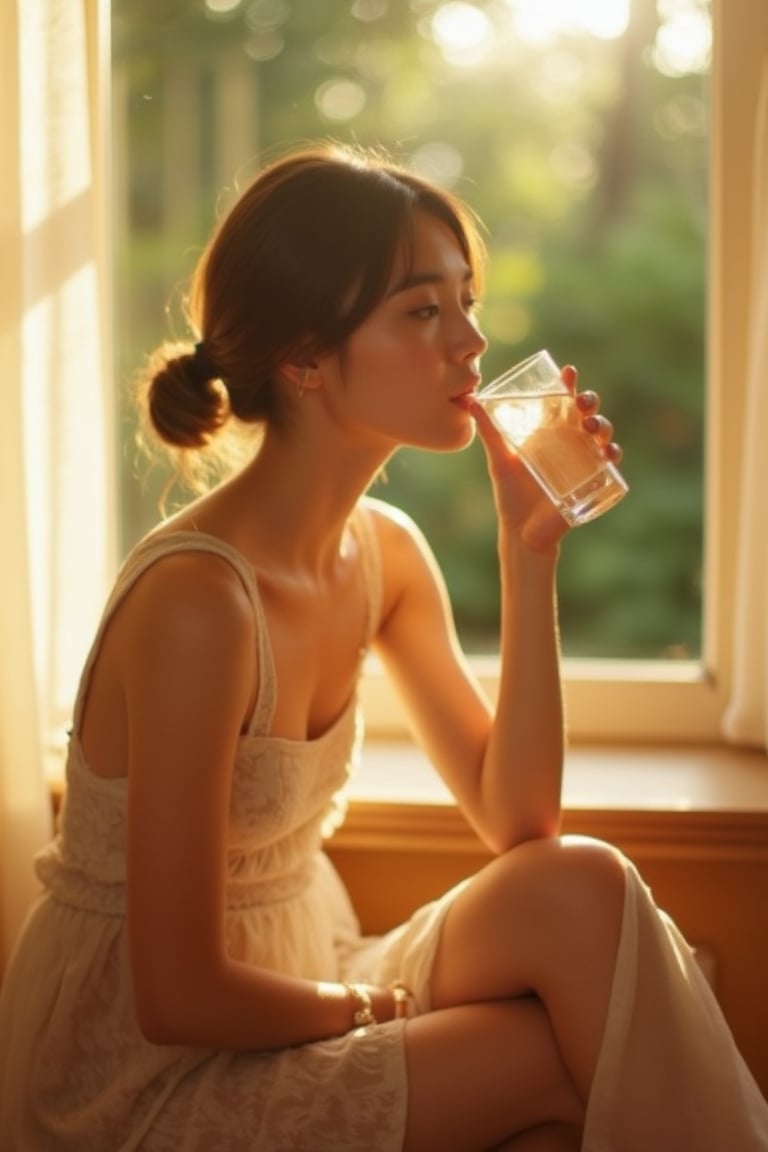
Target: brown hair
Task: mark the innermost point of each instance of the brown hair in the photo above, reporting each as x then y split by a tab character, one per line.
301	259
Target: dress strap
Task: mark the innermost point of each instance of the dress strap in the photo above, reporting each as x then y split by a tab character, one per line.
365	532
142	557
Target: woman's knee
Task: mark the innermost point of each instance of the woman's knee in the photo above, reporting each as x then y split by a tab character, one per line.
574	878
592	864
577	859
509	930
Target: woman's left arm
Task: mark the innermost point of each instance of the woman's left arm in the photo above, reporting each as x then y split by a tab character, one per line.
523	762
504	766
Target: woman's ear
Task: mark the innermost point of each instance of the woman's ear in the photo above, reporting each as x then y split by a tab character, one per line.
301	375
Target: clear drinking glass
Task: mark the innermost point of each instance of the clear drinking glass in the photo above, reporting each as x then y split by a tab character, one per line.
538	417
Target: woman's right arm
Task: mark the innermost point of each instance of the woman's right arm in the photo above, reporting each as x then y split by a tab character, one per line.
189	682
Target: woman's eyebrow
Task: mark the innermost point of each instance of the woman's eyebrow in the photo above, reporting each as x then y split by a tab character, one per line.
416	279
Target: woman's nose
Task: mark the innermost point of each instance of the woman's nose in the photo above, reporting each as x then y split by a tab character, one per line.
470	341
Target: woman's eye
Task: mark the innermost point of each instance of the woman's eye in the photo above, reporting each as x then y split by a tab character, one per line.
427	312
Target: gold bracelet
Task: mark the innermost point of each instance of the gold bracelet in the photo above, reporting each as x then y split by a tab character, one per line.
404	998
363	1016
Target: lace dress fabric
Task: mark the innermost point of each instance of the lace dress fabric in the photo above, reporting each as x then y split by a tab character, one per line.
76	1073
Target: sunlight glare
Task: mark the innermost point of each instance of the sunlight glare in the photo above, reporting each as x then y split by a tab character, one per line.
540	21
222	7
684	40
462	32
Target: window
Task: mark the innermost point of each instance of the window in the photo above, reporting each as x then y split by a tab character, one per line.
583	143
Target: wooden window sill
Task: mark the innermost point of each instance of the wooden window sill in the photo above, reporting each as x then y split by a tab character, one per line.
708	792
705	796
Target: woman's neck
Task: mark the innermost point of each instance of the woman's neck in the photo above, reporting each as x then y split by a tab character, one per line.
293	503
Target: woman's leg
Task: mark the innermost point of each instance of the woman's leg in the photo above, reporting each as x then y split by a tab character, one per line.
547	1138
479	1074
545	918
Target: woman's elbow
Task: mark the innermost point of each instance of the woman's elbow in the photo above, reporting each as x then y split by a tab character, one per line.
503	840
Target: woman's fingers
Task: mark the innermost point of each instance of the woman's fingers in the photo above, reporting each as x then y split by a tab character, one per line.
570	377
598	426
614	452
588	402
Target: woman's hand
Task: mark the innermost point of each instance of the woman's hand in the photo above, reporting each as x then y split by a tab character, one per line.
521	503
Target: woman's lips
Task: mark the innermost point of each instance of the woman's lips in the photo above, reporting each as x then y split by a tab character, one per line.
464	399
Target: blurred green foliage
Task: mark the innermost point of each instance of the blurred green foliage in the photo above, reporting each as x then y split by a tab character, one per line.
587	164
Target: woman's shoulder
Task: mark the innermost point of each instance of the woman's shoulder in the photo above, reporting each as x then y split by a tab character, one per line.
184	579
391	522
404	549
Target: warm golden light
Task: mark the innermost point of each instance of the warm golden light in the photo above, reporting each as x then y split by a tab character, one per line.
684	39
539	21
222	7
462	32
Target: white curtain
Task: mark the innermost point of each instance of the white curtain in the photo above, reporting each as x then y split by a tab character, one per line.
56	433
746	719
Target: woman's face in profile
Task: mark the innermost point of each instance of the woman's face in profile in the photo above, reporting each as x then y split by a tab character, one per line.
402	371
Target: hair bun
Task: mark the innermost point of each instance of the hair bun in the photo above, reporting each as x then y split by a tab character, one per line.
187	402
200	366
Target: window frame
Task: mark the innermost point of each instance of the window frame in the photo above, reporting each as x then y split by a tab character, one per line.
660	701
670	701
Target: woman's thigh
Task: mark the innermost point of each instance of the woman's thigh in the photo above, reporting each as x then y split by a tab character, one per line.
481	1074
547	1138
543	918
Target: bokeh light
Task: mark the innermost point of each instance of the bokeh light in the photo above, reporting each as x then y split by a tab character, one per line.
463	33
684	38
340	99
541	21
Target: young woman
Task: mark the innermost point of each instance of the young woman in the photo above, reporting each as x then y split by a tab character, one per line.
193	977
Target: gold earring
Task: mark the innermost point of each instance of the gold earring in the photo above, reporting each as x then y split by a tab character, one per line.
303	383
